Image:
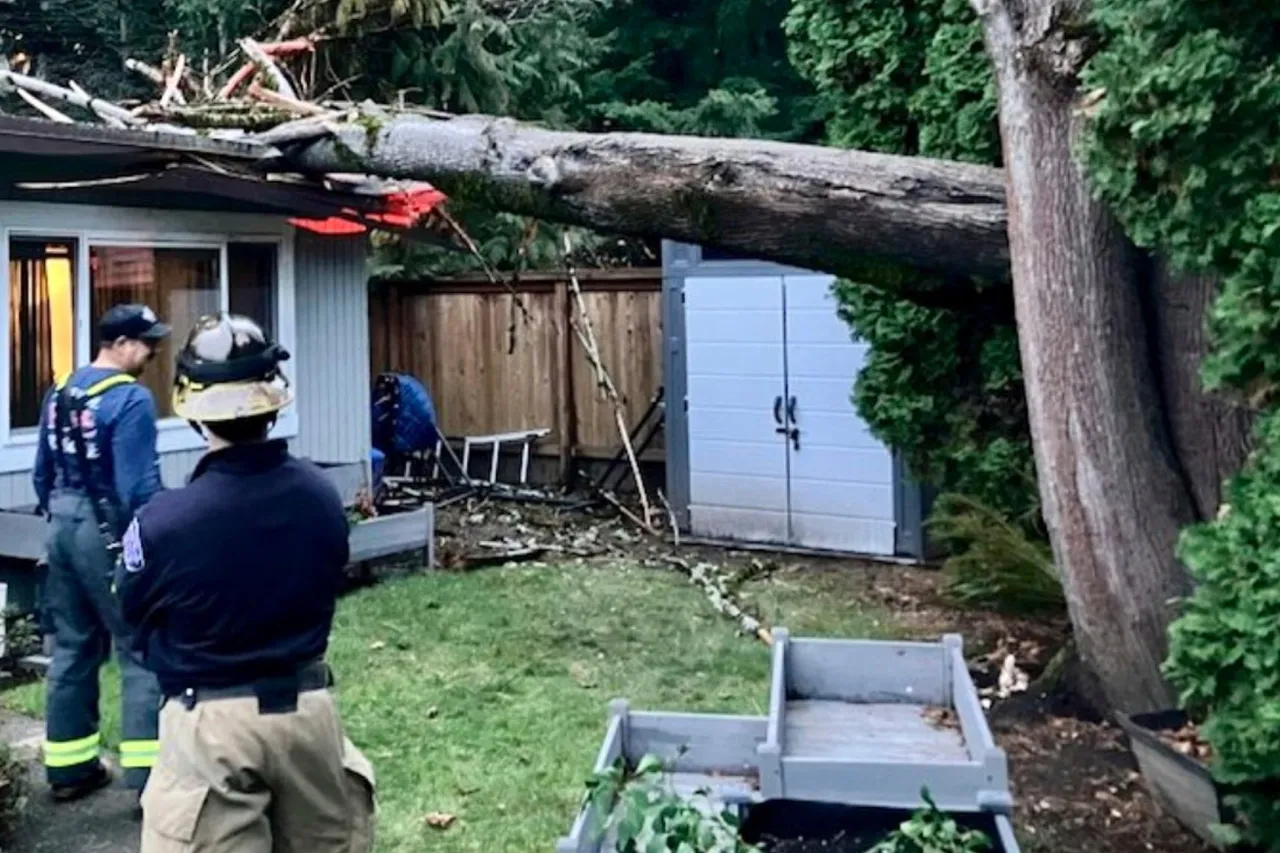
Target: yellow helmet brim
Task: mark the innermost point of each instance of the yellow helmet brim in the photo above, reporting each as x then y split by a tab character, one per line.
229	401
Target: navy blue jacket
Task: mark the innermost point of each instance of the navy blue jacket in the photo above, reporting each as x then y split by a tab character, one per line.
125	433
234	577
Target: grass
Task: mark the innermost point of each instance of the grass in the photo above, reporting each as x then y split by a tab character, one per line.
483	695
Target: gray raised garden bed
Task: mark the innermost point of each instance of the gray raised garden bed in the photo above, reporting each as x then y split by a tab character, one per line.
867	723
398	533
855	723
1182	785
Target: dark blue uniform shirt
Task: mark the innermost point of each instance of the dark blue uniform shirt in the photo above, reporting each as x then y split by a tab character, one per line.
122	440
233	578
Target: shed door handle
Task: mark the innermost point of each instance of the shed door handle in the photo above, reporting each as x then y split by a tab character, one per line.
777	409
791	410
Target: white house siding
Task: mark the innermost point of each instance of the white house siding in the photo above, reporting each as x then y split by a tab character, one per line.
329	366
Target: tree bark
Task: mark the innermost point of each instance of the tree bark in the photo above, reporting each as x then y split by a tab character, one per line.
1114	497
1211	434
846	212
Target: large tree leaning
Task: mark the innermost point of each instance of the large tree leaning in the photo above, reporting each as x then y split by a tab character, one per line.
1114	494
1117	416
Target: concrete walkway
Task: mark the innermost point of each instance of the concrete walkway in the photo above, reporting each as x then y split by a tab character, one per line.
101	823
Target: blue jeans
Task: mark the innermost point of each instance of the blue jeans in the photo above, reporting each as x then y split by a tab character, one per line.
86	624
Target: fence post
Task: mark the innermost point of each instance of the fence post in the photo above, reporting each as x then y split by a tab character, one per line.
566	412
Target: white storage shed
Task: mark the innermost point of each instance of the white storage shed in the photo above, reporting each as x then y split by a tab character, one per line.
763	442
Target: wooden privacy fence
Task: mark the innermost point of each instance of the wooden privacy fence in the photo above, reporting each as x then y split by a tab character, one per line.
453	335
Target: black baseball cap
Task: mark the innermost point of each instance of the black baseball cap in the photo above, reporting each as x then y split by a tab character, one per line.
137	322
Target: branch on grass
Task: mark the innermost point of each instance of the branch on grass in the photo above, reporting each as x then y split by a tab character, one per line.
712	583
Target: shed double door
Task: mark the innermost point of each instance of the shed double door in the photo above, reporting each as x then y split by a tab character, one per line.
777	453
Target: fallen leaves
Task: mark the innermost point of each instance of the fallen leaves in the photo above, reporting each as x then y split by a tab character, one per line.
439	820
940	717
1187	741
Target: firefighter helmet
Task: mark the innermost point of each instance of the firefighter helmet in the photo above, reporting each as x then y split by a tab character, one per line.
229	369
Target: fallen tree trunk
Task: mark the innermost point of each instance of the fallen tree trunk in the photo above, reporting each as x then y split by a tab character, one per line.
851	213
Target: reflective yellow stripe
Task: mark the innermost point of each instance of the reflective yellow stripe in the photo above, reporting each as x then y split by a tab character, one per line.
107	384
139	753
99	387
69	753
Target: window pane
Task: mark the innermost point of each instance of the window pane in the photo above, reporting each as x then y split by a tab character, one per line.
251	279
41	322
180	285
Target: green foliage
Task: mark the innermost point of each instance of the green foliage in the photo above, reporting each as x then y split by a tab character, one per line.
1225	647
943	388
646	816
902	78
696	66
995	562
1185	147
22	633
13	791
931	830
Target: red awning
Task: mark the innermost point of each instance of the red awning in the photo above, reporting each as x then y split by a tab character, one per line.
400	210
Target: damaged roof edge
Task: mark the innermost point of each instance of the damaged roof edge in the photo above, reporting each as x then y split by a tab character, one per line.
98	139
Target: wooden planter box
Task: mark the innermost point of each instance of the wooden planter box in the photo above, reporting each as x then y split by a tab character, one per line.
708	751
858	722
1181	784
851	724
387	535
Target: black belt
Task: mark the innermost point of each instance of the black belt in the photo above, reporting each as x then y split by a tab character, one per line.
276	695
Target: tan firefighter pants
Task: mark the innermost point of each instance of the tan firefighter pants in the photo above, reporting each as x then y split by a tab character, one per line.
232	779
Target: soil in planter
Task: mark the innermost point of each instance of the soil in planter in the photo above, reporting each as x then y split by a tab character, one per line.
781	826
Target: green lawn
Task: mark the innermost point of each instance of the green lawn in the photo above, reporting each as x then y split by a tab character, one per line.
483	695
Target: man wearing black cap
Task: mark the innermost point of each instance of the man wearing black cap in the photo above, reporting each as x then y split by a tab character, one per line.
96	466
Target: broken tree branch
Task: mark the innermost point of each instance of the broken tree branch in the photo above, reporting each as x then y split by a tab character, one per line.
587	335
155	75
284	102
863	214
175	80
80	99
44	109
671	519
712	583
260	58
613	501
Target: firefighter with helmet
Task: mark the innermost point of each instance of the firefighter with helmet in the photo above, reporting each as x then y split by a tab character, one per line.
230	584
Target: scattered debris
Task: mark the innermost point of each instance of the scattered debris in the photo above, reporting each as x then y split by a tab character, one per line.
941	718
1187	740
712	580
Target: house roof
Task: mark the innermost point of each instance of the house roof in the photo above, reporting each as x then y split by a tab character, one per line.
90	164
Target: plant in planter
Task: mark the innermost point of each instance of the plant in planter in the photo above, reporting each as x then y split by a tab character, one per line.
646	816
931	830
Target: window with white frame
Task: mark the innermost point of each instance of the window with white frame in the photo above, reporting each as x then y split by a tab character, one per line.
180	282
